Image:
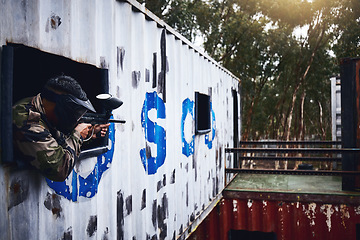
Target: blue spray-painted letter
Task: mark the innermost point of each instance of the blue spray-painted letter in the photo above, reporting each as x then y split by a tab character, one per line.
153	133
209	139
76	185
187	108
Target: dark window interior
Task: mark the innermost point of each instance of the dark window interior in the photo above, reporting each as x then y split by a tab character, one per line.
250	235
27	69
202	113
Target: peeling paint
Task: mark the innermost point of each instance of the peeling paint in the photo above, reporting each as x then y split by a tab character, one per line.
52	203
288	219
235	206
344	210
143	200
53	22
172	180
19	192
128	205
136	75
249	203
68	234
310	212
120	59
328	211
120	215
92	226
357	210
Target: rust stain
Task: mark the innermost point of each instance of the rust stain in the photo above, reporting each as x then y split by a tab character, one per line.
19	191
15	188
52	203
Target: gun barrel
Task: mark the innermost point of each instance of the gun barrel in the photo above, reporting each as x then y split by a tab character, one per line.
117	121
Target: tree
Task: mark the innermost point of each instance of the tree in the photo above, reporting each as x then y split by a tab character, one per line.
284	77
179	14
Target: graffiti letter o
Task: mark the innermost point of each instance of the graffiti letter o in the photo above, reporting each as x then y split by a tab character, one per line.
187	108
76	185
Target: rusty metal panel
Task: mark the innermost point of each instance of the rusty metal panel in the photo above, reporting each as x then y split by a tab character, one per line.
157	187
289	220
291	207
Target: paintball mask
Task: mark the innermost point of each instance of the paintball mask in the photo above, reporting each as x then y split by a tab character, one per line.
68	109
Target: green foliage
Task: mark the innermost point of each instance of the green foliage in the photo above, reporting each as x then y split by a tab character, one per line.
284	77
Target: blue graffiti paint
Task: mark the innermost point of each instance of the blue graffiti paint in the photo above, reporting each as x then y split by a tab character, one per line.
209	141
187	108
76	185
153	133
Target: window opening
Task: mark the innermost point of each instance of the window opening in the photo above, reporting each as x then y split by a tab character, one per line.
202	113
24	72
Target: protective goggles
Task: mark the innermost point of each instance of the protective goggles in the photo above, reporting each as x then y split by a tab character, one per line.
68	102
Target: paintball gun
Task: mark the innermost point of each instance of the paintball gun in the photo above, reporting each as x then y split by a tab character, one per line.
109	103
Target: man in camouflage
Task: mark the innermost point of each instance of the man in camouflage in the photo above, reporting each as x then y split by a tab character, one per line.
46	130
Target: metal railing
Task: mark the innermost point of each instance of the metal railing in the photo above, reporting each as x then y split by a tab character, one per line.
291	153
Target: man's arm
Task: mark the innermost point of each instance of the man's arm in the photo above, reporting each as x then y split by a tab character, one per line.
54	156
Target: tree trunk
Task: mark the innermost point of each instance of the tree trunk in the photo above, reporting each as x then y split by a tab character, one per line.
323	132
301	127
248	120
289	120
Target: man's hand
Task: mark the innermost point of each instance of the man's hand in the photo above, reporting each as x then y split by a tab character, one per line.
100	129
83	129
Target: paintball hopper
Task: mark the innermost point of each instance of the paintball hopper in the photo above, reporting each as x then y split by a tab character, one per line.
109	102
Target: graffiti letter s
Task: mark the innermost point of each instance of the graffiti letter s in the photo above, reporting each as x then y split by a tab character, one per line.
153	133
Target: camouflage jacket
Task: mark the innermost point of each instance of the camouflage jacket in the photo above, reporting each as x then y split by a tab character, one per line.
37	143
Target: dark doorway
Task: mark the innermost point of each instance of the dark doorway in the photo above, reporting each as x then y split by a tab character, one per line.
236	125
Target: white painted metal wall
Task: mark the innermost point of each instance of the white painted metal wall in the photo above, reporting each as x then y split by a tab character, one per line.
336	108
126	201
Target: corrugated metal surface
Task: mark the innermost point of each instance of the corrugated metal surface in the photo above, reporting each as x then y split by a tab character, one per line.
296	220
117	195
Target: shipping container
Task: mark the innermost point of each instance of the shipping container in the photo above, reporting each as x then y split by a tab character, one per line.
158	174
283	207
